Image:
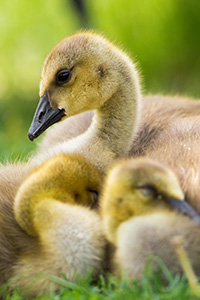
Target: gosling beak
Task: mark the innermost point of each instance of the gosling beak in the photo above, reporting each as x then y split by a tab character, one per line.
185	208
44	117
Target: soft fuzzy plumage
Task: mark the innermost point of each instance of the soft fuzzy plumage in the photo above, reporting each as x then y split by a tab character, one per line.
168	128
169	132
139	220
102	78
44	231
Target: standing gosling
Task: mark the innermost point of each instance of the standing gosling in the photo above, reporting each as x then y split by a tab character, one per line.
48	231
138	211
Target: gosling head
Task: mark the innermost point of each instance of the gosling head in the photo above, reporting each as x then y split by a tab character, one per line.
137	187
66	178
81	73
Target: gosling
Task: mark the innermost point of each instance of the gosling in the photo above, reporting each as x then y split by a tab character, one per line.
142	208
49	227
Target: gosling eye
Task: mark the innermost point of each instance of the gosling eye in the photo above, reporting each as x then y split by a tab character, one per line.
95	197
148	191
63	76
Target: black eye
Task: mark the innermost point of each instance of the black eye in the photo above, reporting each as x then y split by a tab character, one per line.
148	191
64	76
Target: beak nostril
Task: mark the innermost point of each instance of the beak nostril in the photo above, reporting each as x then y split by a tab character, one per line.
41	115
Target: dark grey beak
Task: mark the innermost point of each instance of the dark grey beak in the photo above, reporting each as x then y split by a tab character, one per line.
185	208
44	117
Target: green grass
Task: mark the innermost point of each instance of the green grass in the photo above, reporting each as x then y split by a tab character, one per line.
150	288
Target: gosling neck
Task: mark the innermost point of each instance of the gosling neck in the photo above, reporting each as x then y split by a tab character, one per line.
115	123
111	131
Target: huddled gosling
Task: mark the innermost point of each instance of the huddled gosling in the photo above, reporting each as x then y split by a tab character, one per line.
142	208
65	178
50	229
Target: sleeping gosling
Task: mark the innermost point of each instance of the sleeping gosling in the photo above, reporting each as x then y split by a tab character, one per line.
140	207
49	227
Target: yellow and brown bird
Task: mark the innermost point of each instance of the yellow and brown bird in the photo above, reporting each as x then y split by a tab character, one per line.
86	72
49	228
142	208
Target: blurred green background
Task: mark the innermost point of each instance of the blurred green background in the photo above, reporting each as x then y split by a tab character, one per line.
162	35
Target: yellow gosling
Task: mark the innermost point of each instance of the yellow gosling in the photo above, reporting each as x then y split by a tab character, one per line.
84	72
49	229
136	187
65	178
139	207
